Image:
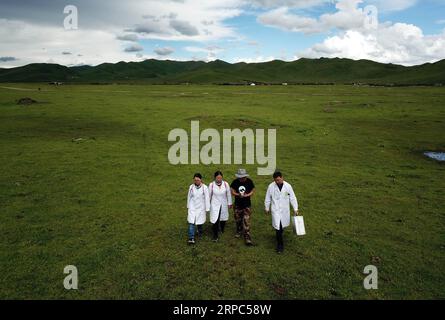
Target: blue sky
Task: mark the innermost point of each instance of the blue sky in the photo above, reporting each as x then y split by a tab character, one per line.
257	41
266	42
409	32
425	14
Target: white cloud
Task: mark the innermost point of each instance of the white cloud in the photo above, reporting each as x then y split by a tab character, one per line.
7	59
356	38
184	27
110	30
257	59
393	5
164	51
134	48
202	49
30	43
398	43
300	4
194	20
383	5
34	32
348	16
282	19
128	37
209	53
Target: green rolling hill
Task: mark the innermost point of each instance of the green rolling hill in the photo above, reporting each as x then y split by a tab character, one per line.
302	71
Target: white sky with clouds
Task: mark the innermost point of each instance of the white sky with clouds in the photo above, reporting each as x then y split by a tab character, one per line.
409	31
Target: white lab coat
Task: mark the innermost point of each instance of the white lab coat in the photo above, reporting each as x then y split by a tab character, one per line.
278	203
220	198
198	203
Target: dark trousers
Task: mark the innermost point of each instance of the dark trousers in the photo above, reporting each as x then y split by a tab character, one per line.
279	235
218	226
242	219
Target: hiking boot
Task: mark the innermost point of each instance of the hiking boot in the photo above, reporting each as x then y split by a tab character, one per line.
249	242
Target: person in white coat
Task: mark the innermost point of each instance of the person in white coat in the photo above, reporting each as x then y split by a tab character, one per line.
279	195
220	203
198	204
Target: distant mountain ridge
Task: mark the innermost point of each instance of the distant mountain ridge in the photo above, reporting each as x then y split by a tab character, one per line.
302	71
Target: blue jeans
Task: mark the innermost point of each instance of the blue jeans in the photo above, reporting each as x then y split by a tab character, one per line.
191	230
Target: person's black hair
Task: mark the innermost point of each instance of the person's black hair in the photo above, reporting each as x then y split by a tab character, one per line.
218	173
197	175
277	174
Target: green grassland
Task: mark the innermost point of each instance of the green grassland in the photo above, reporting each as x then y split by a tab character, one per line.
85	181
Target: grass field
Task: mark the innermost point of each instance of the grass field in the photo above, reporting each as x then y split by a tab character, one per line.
85	181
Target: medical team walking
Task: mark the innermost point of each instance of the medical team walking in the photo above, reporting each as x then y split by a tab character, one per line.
216	199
